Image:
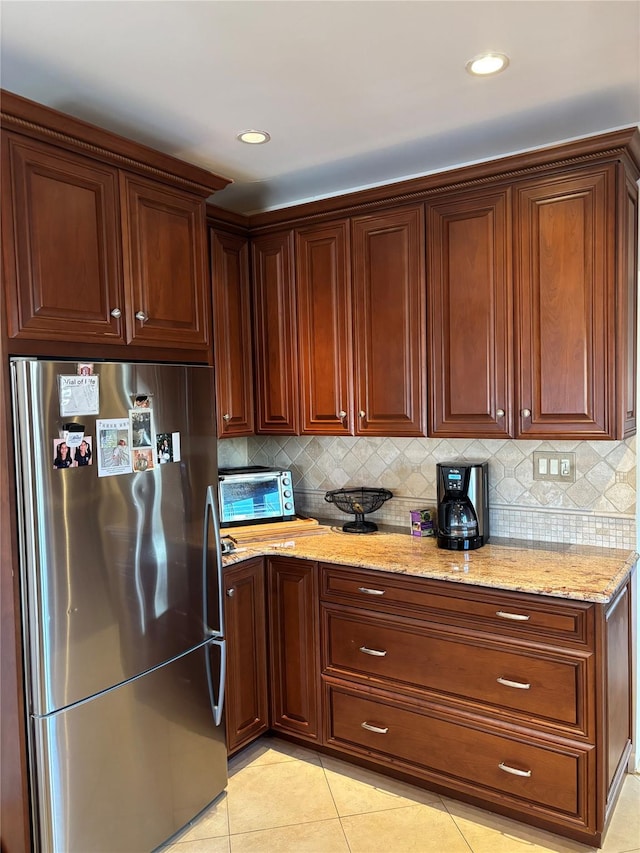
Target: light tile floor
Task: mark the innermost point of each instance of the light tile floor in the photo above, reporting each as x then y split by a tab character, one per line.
282	798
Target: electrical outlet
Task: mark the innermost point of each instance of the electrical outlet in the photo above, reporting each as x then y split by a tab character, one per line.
556	467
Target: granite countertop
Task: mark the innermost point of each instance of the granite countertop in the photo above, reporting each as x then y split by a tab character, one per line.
584	573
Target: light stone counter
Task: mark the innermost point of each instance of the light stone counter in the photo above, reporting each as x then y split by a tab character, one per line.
566	571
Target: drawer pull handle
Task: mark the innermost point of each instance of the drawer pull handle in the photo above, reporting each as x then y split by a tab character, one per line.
521	685
377	653
370	591
517	617
514	770
377	729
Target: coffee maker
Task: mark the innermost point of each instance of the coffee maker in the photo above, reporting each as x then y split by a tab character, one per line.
463	509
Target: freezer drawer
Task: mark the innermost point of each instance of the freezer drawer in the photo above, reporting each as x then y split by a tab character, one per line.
124	771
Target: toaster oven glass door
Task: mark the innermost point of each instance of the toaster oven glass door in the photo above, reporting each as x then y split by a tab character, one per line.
250	500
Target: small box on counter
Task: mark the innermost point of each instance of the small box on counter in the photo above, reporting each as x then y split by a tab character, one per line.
423	522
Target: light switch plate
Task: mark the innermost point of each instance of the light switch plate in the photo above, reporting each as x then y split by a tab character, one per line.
554	466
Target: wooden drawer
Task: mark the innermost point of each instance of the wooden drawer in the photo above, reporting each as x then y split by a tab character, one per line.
470	757
544	618
551	686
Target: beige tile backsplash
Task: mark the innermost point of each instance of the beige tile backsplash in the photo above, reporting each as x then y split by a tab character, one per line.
598	509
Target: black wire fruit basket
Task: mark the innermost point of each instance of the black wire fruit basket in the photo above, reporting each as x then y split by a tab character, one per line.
360	502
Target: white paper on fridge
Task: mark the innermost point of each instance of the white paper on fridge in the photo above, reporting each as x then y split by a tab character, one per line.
114	453
79	395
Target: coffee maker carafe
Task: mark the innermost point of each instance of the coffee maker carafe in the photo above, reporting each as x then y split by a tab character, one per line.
463	510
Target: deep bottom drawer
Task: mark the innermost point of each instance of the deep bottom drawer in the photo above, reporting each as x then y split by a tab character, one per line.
550	776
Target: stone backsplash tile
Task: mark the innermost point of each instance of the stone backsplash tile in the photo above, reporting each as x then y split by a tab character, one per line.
598	509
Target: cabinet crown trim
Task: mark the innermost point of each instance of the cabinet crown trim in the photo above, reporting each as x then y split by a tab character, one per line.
37	121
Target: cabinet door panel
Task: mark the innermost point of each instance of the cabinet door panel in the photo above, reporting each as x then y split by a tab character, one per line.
275	335
389	311
61	244
232	334
324	327
165	265
566	304
294	643
470	320
246	714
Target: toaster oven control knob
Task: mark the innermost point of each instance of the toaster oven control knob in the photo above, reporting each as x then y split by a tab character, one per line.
288	505
285	481
287	493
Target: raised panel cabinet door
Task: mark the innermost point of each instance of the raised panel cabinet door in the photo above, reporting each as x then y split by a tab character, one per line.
323	287
470	316
294	641
247	703
389	322
164	241
232	340
61	245
275	334
565	305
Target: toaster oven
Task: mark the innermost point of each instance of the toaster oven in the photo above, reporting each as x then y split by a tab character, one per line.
255	495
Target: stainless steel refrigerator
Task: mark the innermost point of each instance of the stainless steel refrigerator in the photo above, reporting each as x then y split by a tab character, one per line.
121	600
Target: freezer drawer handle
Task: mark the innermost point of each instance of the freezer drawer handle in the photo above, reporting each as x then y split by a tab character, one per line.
368	591
516	617
514	770
377	653
521	685
377	729
217	707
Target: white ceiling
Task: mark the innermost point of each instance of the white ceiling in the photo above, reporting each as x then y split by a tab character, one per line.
353	92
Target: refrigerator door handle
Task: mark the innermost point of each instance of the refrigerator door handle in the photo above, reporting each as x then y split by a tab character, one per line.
211	520
217	707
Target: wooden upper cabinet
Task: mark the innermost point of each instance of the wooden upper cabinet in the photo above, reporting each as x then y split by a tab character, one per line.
388	252
164	238
275	334
323	289
566	305
470	315
232	339
62	250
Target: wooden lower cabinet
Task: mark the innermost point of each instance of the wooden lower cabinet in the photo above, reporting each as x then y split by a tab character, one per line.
515	702
466	754
294	644
247	703
518	703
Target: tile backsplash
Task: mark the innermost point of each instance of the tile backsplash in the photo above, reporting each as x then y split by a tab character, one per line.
599	508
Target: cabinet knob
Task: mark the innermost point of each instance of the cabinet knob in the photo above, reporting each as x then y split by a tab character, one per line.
500	413
526	413
142	316
362	414
342	414
231	592
116	312
226	416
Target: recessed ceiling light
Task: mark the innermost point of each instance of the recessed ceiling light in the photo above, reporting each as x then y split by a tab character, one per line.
253	137
487	63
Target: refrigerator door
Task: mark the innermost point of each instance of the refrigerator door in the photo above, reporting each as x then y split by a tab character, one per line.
117	572
124	771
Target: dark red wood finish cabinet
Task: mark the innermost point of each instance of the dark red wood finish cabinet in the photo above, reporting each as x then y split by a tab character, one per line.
232	333
324	303
388	262
245	614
